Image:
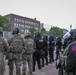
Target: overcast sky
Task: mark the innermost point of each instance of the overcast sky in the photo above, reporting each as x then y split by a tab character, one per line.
61	13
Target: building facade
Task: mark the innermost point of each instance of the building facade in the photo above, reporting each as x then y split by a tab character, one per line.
24	23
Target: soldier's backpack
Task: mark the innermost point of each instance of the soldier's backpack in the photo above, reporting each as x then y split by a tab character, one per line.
71	58
29	43
16	44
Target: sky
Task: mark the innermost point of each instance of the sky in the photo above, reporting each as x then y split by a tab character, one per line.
60	13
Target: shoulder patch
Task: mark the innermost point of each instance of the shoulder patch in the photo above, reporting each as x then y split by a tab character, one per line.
74	48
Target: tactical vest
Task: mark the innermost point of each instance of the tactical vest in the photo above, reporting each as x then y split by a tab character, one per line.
29	43
16	44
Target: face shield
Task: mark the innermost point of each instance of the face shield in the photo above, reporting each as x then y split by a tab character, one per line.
67	35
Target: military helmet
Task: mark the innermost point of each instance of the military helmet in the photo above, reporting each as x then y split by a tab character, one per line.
27	34
73	33
37	34
58	38
51	38
1	30
16	30
45	37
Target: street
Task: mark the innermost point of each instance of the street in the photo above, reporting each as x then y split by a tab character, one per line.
46	70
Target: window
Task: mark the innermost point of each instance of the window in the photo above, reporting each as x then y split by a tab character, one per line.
22	21
27	26
22	30
15	19
14	24
36	28
17	25
22	26
26	30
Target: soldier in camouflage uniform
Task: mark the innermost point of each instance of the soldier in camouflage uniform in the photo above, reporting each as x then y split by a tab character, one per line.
29	50
3	48
16	44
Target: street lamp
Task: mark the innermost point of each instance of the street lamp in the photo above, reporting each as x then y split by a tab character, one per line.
70	27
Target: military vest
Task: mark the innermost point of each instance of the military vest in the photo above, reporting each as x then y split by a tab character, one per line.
29	44
16	44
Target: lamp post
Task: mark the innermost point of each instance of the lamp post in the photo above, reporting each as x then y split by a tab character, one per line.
70	27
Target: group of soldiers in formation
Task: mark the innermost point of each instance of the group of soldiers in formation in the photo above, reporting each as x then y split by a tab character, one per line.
20	50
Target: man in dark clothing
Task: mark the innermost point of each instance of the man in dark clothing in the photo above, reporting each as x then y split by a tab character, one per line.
58	46
51	48
71	54
45	49
37	53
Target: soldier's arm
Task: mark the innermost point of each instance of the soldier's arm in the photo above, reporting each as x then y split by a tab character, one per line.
6	46
24	46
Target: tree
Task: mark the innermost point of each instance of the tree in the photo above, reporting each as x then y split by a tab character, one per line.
56	31
43	31
32	30
3	21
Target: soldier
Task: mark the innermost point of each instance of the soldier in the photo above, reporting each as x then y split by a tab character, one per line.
16	44
45	49
3	48
37	53
51	48
58	46
27	55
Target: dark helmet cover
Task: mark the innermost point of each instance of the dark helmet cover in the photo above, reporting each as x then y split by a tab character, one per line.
37	34
15	30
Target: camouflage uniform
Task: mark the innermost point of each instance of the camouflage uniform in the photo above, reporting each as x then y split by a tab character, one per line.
27	56
16	46
3	48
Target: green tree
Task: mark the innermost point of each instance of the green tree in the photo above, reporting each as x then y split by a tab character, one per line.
56	31
3	21
43	31
32	30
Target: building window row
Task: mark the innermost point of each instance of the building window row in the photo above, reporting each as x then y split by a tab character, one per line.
31	23
18	20
26	30
27	26
23	26
26	22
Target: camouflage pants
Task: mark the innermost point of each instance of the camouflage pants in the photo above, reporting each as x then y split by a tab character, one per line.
11	65
2	67
29	61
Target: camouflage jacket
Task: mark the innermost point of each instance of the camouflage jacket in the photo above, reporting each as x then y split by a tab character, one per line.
29	45
16	43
